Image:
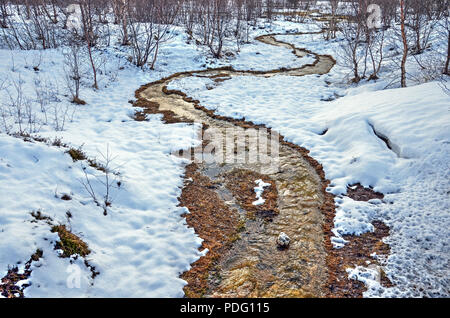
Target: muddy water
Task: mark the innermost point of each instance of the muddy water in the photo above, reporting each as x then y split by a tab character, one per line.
255	267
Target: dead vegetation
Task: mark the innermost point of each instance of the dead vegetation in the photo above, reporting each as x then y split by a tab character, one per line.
77	154
357	252
359	193
8	284
242	183
78	101
213	221
39	216
66	197
69	243
338	283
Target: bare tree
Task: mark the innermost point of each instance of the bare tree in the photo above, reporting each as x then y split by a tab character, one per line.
165	17
353	50
3	13
375	39
213	23
446	32
150	24
219	16
389	11
120	15
405	43
250	16
418	22
332	28
86	7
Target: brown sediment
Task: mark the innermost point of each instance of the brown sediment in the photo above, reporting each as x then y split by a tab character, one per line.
357	252
8	284
252	266
221	79
212	220
241	183
150	107
359	193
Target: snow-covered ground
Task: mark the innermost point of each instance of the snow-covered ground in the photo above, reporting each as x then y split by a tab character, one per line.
143	244
414	173
258	56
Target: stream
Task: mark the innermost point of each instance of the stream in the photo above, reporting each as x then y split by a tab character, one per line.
254	266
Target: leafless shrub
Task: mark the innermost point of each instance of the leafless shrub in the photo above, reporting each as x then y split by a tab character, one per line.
353	47
20	109
149	24
72	70
332	28
218	20
90	32
53	111
62	113
3	14
375	40
5	125
105	176
109	71
418	22
37	60
41	98
443	83
430	68
444	31
33	24
211	23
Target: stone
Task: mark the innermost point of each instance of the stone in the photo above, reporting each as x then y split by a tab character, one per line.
283	240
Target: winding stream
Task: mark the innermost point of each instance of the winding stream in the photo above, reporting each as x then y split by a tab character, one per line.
254	266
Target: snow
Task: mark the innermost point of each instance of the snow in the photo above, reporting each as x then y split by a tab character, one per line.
143	244
262	57
370	276
142	236
258	56
259	190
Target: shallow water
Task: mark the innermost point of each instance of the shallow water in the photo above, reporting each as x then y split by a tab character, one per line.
255	266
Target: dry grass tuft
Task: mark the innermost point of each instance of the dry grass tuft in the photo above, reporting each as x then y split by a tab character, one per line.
76	154
78	101
69	243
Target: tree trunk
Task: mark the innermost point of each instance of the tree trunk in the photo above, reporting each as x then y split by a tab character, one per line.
446	71
85	7
155	56
124	12
405	43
